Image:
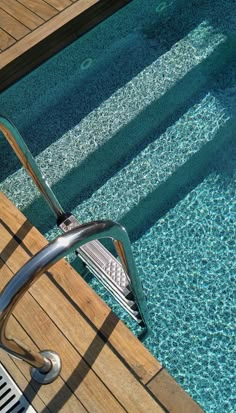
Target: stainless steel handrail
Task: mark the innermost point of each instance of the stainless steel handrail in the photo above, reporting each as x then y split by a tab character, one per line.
17	143
95	256
46	365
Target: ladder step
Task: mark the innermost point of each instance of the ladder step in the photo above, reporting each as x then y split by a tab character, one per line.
107	269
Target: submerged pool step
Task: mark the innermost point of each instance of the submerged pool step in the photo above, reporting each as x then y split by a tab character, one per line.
126	39
123	122
122	198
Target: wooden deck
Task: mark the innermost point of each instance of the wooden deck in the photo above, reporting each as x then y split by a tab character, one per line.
105	367
33	30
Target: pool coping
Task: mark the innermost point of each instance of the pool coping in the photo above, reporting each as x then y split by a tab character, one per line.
50	37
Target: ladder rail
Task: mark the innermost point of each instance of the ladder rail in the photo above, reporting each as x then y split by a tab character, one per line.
95	256
22	151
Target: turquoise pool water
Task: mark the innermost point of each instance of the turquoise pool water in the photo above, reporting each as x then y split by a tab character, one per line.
135	122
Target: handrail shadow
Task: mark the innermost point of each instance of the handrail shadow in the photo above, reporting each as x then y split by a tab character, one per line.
71	385
17	238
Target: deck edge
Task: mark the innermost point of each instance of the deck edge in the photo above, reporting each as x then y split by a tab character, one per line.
63	29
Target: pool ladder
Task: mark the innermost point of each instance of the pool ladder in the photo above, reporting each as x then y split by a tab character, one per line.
46	365
125	288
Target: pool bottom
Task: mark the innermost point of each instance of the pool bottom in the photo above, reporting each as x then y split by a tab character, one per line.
188	264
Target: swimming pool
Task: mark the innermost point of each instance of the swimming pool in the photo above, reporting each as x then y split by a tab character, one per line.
135	122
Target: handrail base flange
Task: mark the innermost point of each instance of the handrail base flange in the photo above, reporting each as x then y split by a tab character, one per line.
45	378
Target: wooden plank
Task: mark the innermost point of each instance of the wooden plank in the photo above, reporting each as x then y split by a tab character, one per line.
171	395
21	13
82	380
121	339
59	4
46	30
5	40
39	7
95	348
48	39
12	26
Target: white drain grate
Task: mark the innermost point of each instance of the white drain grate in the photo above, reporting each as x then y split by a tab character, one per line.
12	399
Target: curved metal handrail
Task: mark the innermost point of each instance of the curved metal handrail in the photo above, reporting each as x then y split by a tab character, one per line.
46	365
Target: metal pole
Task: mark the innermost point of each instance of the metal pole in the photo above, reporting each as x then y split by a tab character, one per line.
22	151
